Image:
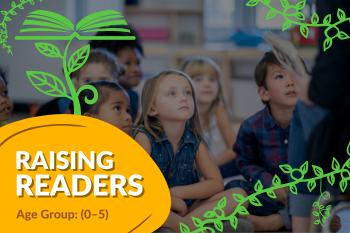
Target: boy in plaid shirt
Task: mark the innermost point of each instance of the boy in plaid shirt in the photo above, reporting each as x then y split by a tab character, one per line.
262	144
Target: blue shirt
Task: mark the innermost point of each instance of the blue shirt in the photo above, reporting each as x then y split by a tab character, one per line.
134	102
261	147
176	169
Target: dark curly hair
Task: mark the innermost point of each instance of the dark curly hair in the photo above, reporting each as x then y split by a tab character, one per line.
3	75
115	46
103	87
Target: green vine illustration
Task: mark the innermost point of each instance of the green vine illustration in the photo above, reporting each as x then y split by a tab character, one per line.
54	22
217	215
3	32
296	16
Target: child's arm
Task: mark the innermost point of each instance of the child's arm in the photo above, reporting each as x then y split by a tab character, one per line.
179	206
246	148
212	185
228	134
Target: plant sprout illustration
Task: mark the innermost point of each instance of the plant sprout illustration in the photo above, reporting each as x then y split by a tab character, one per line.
295	16
53	22
3	31
217	215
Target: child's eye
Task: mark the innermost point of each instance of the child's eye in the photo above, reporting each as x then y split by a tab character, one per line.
187	93
128	110
117	108
279	77
212	79
197	79
171	94
5	93
87	81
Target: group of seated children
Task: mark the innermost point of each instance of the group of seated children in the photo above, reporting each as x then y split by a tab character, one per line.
185	127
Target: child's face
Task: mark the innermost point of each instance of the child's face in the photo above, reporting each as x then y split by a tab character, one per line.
6	105
174	100
207	88
116	111
131	58
280	87
92	73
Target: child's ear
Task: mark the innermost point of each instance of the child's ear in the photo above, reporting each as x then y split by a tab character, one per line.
264	95
152	112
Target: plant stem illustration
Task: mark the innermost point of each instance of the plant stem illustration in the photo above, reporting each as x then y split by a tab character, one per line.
214	218
53	22
297	16
3	31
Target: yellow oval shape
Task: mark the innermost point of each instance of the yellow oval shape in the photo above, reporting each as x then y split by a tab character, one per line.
140	205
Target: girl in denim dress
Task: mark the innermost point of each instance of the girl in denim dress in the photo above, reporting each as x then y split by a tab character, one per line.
170	132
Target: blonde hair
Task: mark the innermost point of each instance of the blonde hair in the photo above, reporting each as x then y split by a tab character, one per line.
105	57
148	97
196	66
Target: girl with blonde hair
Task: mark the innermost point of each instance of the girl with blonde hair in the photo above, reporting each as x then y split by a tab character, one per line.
214	111
169	130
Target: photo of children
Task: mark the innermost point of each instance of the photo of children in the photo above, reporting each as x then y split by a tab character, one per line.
209	100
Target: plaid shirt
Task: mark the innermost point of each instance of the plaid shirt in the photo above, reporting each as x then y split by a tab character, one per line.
261	146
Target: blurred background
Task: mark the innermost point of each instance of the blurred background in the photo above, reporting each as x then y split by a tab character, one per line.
225	30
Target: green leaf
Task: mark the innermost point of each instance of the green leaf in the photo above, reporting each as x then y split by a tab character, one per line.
252	3
293	189
286	25
300	16
13	4
304	168
184	228
48	49
328	207
321	207
242	210
197	222
285	3
348	149
317	170
4	25
271	194
13	12
78	58
327	213
276	180
39	79
8	19
347	163
5	36
219	226
238	197
234	222
315	19
343	185
301	5
343	36
327	44
55	16
286	168
331	179
32	2
335	164
323	219
304	30
222	203
4	12
311	185
327	19
20	7
317	222
255	201
272	13
316	213
209	214
315	204
341	14
258	186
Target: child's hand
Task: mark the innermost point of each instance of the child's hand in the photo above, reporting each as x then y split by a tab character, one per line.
179	206
302	87
281	194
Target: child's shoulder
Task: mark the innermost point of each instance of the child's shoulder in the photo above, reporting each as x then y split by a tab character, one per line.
256	120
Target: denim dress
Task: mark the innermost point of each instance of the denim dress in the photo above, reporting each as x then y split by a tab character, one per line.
177	170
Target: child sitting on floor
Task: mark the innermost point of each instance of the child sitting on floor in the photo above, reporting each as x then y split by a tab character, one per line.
262	144
6	105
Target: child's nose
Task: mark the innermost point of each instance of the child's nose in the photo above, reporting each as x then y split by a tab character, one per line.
2	100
